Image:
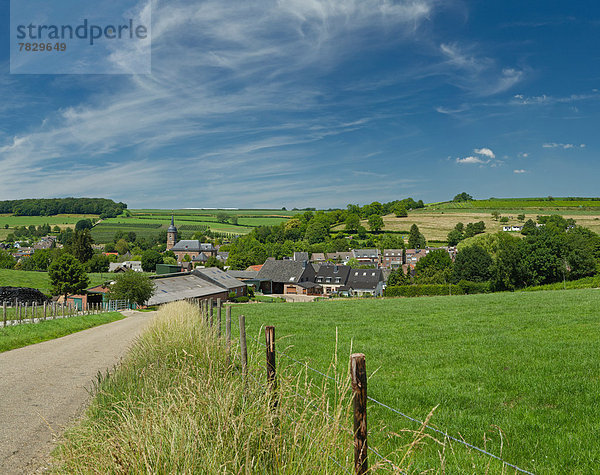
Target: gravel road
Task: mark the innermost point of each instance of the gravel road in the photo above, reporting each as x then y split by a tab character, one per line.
44	388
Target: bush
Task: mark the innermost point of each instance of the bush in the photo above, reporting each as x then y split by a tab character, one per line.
242	299
422	290
474	287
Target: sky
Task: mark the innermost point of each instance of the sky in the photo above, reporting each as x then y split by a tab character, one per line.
319	103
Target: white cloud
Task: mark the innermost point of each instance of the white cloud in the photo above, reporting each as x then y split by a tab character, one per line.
471	160
524	155
485	152
564	146
518	172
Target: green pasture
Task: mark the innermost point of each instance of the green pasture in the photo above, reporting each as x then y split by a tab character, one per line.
60	220
213	212
30	333
518	204
515	373
39	280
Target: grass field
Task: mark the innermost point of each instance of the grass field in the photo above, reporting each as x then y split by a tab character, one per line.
39	280
524	365
519	203
31	333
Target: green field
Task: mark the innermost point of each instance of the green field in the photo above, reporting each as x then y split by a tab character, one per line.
519	203
39	280
524	365
29	334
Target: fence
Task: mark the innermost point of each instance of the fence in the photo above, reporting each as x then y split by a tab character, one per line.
360	397
17	313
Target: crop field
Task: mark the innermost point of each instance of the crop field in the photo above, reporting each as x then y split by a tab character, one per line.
520	203
39	280
515	373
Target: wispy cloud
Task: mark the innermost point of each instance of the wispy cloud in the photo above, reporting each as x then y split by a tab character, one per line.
471	160
485	152
564	146
520	171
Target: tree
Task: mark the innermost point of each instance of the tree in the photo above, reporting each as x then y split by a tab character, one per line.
416	240
504	219
234	220
521	217
400	211
398	277
121	246
40	261
361	231
212	261
132	286
495	215
83	224
375	222
98	263
170	261
434	268
352	222
473	229
316	231
150	259
463	197
473	263
67	276
81	246
6	260
222	217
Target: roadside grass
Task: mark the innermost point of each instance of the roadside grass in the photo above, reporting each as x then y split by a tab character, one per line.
30	333
40	280
584	283
175	405
514	373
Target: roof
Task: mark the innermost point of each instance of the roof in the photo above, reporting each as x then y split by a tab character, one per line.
172	228
193	245
218	277
173	287
200	258
243	274
318	256
366	253
392	252
287	272
300	256
335	271
308	285
256	267
364	278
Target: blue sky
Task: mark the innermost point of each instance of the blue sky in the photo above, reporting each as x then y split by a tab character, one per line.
319	103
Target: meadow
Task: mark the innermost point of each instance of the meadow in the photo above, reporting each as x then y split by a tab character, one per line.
514	373
40	280
30	333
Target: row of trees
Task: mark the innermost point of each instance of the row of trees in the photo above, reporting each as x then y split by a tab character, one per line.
547	254
49	207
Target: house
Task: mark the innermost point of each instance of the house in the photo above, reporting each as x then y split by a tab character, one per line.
248	277
23	252
318	257
339	257
414	255
93	296
300	256
220	278
510	228
303	288
392	258
191	248
364	282
256	267
223	256
194	249
275	274
47	242
125	266
332	277
367	256
174	287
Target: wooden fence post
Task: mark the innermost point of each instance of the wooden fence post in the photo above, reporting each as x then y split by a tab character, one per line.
358	373
228	332
244	350
4	312
26	309
271	372
210	311
219	318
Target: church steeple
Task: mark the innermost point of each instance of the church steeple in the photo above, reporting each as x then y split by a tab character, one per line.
171	234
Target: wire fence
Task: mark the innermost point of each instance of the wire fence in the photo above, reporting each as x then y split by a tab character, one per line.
396	411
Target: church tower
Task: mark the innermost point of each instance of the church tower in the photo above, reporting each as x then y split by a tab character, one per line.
171	235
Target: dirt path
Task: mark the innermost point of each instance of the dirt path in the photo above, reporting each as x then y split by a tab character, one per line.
44	387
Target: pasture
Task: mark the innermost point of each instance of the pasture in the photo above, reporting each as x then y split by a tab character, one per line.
515	373
40	280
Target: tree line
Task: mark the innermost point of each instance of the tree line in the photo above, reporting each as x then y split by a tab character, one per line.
49	207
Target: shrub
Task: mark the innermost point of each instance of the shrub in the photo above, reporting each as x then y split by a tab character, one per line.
422	290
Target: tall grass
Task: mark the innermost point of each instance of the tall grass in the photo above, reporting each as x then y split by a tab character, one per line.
176	405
